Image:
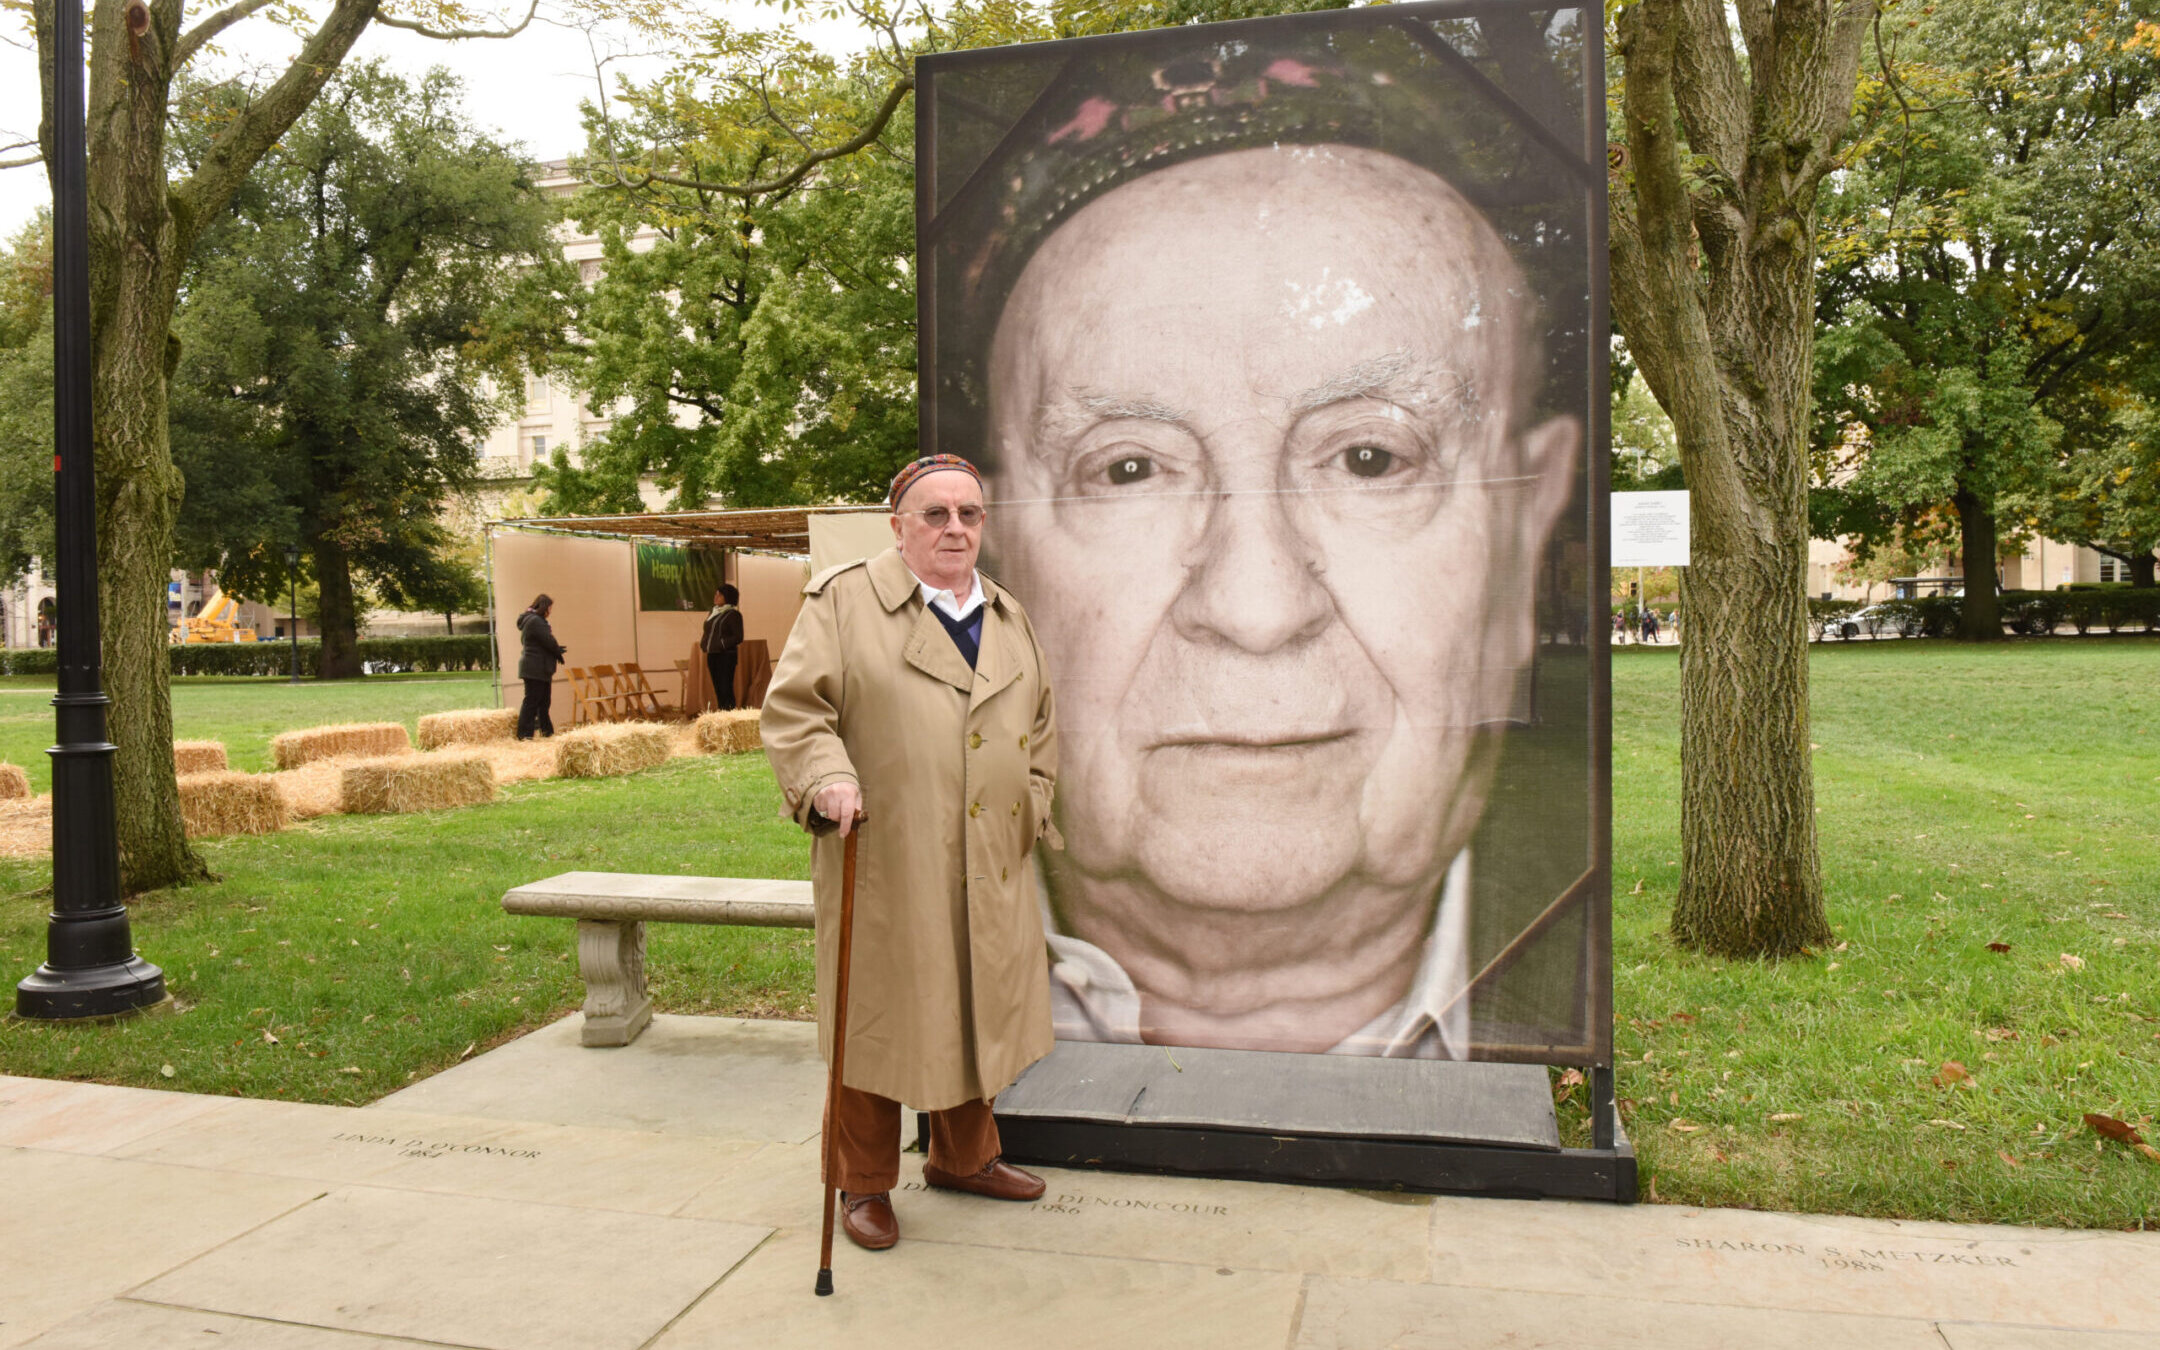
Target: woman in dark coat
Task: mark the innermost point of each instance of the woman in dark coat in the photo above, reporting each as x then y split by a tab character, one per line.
536	666
720	640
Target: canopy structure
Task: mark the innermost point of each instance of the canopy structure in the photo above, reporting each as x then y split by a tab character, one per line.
779	529
628	589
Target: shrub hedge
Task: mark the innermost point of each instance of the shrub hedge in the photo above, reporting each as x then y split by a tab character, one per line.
466	651
2116	609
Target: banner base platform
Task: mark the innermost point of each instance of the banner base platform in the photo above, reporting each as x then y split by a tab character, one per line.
1336	1120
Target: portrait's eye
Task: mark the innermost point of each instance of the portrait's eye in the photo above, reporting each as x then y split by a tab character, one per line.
1129	469
1368	461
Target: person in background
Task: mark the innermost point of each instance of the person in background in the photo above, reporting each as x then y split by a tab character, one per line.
723	635
537	660
1649	625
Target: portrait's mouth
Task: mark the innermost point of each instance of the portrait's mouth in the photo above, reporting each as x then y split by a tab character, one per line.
1236	743
1282	758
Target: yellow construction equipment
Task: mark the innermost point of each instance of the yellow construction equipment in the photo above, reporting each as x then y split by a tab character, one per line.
214	623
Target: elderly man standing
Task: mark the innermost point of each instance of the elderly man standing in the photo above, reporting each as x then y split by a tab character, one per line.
912	695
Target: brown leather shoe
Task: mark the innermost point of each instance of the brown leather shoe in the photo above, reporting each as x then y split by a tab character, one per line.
869	1220
999	1180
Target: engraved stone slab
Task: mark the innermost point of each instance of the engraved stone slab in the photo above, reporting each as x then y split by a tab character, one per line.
88	1117
1357	1315
552	1164
78	1230
1341	1095
152	1327
1802	1262
705	1076
487	1273
933	1296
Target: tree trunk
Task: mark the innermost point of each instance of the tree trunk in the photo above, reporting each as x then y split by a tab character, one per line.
138	489
337	615
1713	249
2142	569
1980	617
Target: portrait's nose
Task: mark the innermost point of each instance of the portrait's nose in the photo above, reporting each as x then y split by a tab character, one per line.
1250	581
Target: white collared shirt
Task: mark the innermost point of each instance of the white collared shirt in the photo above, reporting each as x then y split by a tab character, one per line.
1093	999
951	605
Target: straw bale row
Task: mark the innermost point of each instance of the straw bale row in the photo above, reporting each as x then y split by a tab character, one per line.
734	732
611	748
292	749
417	783
14	783
220	802
198	757
468	726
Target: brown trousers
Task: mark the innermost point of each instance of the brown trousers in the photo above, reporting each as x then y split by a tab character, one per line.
963	1139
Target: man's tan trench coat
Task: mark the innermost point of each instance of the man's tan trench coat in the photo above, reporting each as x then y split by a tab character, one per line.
950	994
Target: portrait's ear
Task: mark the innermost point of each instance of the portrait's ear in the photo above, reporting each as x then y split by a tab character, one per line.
1549	453
894	521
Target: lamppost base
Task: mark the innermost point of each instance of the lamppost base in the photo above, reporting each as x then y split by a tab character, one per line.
92	992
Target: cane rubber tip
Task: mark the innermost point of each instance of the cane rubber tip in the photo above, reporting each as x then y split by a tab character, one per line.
824	1283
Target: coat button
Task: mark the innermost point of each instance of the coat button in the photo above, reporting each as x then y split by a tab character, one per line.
1001	874
1023	742
975	740
1016	808
974	809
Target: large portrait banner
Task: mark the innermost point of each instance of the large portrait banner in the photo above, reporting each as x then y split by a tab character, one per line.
1282	346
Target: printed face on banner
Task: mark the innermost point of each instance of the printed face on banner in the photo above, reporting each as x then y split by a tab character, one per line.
1274	476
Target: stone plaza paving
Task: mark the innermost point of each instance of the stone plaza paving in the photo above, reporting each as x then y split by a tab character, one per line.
544	1196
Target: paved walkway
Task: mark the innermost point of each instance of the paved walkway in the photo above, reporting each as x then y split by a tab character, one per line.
548	1197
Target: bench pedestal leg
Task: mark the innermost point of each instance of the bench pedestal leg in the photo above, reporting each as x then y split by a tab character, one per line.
611	957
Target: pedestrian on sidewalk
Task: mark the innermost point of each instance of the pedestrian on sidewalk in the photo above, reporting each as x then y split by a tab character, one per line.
912	698
722	636
538	656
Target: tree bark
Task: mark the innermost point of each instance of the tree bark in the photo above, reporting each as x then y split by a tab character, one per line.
339	615
1980	615
2143	569
1713	260
142	229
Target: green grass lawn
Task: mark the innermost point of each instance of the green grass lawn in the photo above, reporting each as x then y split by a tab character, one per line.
2008	795
245	713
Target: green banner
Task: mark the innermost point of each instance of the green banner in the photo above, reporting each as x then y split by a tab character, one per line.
671	576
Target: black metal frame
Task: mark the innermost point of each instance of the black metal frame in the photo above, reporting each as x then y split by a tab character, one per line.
1606	1170
91	969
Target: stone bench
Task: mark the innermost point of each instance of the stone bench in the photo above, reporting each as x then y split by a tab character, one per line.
612	909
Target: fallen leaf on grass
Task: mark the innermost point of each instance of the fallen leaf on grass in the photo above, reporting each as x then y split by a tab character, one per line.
1785	1115
1998	947
2121	1131
1683	1017
269	1039
165	1070
2071	962
1638	887
2000	1034
1684	1126
1953	1074
350	1068
1947	1124
1571	1079
2010	1158
468	1050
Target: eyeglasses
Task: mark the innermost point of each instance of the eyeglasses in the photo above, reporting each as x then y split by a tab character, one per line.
938	517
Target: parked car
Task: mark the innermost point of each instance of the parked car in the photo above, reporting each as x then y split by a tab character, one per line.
1880	621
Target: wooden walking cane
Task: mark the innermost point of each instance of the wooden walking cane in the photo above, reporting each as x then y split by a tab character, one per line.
839	1055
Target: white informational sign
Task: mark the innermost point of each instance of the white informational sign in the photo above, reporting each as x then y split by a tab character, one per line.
1649	529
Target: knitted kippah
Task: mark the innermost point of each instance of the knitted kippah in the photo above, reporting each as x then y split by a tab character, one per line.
928	464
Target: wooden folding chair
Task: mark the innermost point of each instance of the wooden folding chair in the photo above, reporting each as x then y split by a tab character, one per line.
639	697
606	697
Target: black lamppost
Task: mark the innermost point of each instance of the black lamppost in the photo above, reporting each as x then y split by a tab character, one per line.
91	969
292	628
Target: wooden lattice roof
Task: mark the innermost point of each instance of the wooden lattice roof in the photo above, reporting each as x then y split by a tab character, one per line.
781	529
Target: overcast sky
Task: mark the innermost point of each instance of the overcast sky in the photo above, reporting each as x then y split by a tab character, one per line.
527	88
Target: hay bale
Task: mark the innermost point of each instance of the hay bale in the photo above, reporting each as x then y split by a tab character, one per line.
417	783
14	783
198	757
469	726
734	732
292	749
231	803
609	749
